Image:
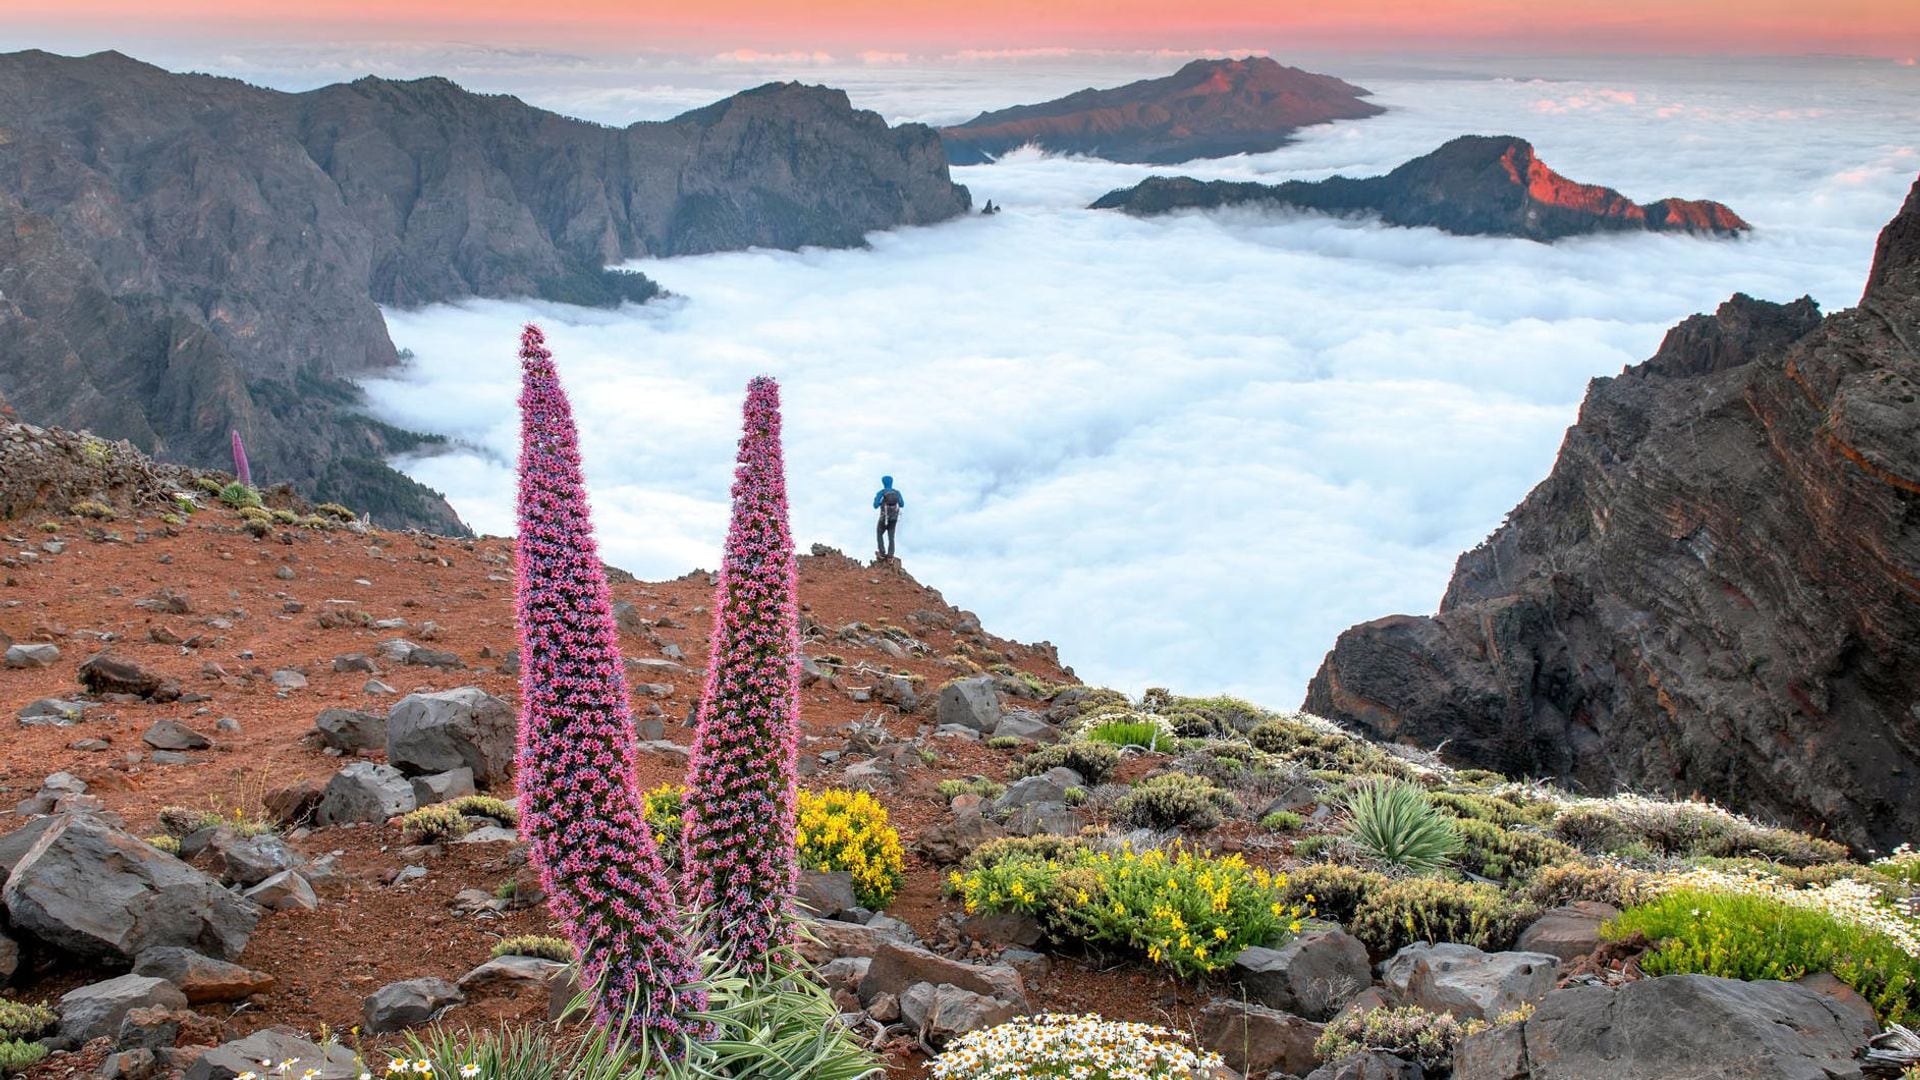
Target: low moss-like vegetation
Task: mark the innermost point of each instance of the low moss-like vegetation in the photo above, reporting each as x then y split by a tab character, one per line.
1175	801
540	946
1410	1033
1094	761
1402	912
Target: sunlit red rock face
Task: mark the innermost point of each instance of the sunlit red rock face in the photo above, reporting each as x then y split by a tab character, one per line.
1476	185
1209	108
1716	590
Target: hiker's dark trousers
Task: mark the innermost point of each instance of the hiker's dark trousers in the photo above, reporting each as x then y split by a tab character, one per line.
883	536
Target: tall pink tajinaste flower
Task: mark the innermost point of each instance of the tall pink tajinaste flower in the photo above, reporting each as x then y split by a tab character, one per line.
240	470
583	816
737	852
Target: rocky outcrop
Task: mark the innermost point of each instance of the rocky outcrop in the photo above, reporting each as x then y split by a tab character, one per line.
1207	109
1717	589
184	255
1476	185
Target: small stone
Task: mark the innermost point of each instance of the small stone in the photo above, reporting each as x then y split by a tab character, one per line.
201	978
52	712
97	1009
31	656
173	735
288	679
401	1005
283	892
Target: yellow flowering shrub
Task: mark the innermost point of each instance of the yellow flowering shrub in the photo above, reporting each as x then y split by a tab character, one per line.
1186	911
848	830
662	806
1081	1047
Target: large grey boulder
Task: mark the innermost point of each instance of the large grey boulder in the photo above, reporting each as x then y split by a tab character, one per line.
1312	975
97	1009
51	712
970	703
1021	724
896	966
247	861
332	1061
1257	1040
824	894
364	791
510	974
105	894
1466	982
35	655
401	1005
1684	1027
202	978
1568	932
351	730
1372	1065
1049	787
435	733
944	1012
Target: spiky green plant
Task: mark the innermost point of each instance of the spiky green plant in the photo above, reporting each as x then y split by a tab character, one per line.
1395	822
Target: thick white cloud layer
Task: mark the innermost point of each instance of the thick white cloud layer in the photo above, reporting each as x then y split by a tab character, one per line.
1188	450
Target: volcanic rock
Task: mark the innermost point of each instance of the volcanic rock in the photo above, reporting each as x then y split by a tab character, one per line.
1717	589
1476	185
1207	109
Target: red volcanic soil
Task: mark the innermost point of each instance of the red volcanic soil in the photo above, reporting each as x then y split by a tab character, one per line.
251	619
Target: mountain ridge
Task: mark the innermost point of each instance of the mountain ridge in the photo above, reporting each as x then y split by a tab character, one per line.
1715	588
1209	108
186	254
1473	185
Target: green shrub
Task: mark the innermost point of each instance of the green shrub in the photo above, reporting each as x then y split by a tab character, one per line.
1738	936
1606	883
1392	821
541	946
1902	865
1175	801
979	785
1319	744
1319	845
1006	742
1410	1033
1043	848
209	485
1189	912
166	843
1141	733
1094	762
1334	890
1238	767
485	806
19	1020
284	517
1684	830
334	510
1493	851
181	822
91	509
239	496
175	520
434	825
1282	821
19	1056
1477	806
1400	913
1209	717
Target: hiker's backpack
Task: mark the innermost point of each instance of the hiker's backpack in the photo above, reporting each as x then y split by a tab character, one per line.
890	506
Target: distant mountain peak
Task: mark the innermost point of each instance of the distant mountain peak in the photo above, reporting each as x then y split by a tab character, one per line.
1208	108
1474	185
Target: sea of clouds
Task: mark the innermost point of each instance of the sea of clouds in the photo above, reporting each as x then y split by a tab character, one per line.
1187	450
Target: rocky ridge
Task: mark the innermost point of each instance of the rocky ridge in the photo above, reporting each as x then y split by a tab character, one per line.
1714	591
181	255
1207	109
1475	185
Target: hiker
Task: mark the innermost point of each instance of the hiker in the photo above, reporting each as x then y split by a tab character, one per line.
889	502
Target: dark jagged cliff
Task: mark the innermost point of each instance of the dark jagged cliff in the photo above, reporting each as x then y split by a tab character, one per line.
1716	590
1475	185
183	254
1209	108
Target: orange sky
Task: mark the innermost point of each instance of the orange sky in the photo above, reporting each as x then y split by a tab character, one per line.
1882	27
